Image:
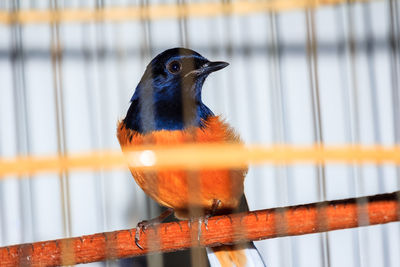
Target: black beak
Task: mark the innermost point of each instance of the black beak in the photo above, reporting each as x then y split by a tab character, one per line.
213	66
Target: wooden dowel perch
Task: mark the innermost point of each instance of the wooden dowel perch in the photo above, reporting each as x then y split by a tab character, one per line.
235	228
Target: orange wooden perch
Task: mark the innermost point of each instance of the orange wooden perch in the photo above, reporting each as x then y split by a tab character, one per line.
235	228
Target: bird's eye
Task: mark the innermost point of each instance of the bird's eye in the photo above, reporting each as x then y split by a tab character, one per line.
174	67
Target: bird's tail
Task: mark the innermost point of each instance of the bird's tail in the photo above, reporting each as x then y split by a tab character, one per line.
243	255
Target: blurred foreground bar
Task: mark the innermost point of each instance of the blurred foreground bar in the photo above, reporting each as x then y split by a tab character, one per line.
200	156
161	11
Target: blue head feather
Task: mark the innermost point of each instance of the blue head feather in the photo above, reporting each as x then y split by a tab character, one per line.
169	94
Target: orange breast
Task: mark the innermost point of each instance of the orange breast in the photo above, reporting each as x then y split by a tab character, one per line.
177	188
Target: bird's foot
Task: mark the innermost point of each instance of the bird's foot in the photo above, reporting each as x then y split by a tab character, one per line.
141	227
144	225
201	219
193	221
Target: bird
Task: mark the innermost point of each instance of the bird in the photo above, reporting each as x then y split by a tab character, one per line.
167	109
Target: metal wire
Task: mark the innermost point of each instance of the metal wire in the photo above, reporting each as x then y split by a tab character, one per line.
60	126
394	36
369	42
312	63
343	51
280	128
22	127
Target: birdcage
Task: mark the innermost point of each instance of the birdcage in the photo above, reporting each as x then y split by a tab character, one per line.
312	89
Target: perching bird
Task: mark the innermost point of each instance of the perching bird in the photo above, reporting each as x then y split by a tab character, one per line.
167	109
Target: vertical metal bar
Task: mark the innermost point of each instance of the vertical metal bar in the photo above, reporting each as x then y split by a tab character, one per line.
229	47
370	51
22	126
312	62
124	54
192	177
355	122
369	43
394	42
100	62
94	130
394	36
183	28
355	130
96	113
146	47
198	256
3	223
280	130
342	51
253	118
229	51
146	52
56	56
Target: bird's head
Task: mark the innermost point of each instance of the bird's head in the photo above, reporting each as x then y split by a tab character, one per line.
169	94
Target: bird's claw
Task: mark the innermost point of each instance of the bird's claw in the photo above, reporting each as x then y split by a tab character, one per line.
191	221
141	227
137	238
206	220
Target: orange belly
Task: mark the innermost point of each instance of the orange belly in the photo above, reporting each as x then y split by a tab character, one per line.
180	189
